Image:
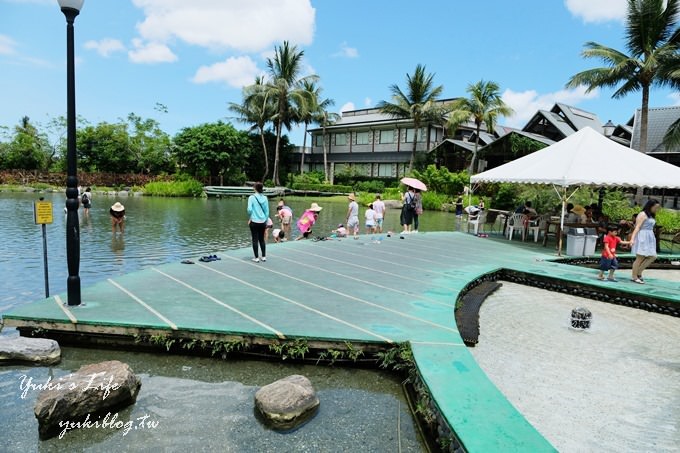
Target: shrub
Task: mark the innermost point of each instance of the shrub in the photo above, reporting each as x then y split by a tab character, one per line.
375	186
329	188
312	177
668	220
182	187
441	180
433	201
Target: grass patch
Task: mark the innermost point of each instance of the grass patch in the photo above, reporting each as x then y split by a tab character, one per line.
184	188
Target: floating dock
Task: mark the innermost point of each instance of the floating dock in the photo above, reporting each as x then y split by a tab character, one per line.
366	291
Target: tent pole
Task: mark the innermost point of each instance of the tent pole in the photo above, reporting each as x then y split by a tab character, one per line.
564	207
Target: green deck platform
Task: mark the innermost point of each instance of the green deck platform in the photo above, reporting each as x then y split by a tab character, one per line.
393	291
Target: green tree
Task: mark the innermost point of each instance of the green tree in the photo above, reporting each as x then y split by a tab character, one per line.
149	145
285	69
310	108
216	150
253	168
484	105
105	147
257	109
28	148
417	103
652	38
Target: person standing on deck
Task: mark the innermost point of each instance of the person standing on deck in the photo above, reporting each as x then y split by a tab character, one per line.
379	208
285	215
408	209
418	211
643	240
352	220
258	212
370	219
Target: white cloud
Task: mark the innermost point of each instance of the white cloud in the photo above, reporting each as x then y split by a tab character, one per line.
105	47
235	71
346	51
244	26
527	103
7	45
150	52
597	10
368	102
675	98
347	106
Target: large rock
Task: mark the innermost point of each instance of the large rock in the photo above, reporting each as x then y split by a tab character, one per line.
287	402
36	350
88	393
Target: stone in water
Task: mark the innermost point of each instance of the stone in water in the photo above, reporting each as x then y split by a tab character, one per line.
288	402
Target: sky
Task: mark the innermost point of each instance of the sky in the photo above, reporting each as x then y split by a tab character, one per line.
195	56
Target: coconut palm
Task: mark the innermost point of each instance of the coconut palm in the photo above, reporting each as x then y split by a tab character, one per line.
483	106
652	37
309	107
257	109
324	118
285	79
417	103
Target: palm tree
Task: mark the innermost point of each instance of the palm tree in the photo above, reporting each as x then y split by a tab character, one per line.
284	69
418	103
324	118
483	106
256	109
652	38
308	108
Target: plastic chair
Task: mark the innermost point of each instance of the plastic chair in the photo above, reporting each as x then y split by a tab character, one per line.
537	226
498	224
516	222
479	219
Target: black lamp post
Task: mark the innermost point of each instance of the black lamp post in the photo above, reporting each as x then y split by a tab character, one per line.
71	9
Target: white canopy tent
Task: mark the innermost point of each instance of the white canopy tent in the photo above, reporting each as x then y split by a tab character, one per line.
586	158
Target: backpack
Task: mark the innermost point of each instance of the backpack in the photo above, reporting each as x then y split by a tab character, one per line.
85	198
411	204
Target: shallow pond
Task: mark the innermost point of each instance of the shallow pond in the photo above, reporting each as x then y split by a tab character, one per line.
200	404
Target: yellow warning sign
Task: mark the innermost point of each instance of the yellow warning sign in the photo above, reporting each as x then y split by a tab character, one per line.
42	212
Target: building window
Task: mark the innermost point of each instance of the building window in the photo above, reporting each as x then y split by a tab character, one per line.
409	135
318	140
384	170
340	139
362	138
386	137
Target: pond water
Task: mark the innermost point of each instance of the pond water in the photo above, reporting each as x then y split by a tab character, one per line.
200	403
158	231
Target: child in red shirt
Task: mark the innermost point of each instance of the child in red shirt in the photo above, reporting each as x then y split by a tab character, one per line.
608	261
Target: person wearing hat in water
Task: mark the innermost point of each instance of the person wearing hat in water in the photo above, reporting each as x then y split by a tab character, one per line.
117	213
352	220
307	221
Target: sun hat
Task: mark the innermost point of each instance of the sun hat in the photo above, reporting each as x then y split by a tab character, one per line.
351	197
578	210
117	207
315	207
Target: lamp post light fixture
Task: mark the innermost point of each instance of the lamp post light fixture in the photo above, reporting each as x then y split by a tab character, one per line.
71	9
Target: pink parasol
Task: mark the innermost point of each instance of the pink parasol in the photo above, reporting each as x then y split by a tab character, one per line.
415	183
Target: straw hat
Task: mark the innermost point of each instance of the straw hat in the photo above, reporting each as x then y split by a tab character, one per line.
578	210
351	197
315	207
117	207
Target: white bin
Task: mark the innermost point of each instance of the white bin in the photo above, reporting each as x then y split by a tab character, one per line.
576	238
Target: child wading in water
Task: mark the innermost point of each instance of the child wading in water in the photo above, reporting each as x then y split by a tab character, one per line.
608	261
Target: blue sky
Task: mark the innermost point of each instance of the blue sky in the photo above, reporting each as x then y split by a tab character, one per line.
193	56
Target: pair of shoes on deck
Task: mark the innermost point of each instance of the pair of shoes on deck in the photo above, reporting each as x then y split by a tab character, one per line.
257	260
209	258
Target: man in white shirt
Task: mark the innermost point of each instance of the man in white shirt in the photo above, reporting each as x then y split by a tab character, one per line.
379	208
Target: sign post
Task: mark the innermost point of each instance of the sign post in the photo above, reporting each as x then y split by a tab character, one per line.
42	214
